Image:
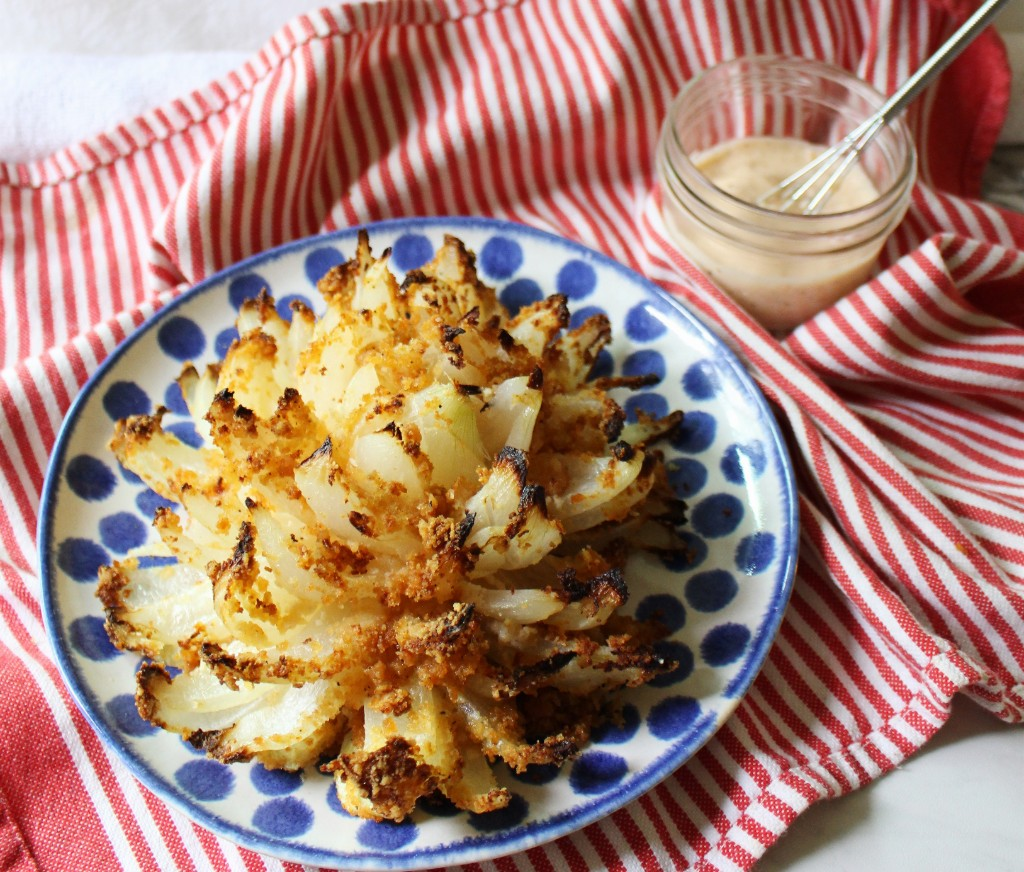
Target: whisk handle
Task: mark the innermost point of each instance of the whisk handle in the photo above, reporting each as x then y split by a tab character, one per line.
942	58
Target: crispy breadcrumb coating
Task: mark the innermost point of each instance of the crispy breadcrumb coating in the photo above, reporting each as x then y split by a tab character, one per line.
399	553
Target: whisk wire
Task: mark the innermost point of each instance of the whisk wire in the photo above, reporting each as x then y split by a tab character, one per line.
800	187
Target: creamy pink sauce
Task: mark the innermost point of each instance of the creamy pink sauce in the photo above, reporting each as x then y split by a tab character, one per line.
746	168
777	282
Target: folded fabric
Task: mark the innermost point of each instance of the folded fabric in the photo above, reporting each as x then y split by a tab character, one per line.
903	404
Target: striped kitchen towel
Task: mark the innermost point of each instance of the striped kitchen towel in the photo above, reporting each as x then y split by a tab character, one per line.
903	404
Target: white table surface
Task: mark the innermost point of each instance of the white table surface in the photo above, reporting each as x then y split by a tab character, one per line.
956	806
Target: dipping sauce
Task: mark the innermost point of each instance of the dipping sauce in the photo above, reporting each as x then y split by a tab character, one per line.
746	168
738	129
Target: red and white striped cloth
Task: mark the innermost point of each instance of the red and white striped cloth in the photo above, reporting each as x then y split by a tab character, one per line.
904	404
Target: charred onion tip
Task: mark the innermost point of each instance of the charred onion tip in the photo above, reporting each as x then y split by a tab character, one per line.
614	579
515	460
550	665
245	547
561	303
464	528
533	495
458	619
323	451
414	277
623	451
575	588
536	380
468	390
505	339
449	333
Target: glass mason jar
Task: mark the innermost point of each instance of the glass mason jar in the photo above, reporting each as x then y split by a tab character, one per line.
781	267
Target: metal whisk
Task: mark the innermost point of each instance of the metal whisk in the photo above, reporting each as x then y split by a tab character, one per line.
810	187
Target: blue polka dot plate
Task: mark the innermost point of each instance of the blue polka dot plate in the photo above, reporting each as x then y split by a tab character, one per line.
723	605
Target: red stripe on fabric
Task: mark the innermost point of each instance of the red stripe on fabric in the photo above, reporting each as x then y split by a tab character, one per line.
773	697
535	143
58	841
807	649
567	160
741	755
653	56
725	780
757	830
382	164
883	596
426	167
107	237
689	780
978	597
213	846
42	432
228	229
814	701
496	153
339	134
957	441
538	858
637	841
636	164
463	129
147	153
441	198
123	241
840	611
739	855
691	23
397	97
896	348
807	16
55	382
20	295
681	819
44	285
668	841
282	145
930	306
572	855
621	102
797	780
611	225
506	864
893	562
63	245
768	740
260	163
779	808
23	444
978	416
90	743
316	184
502	152
605	849
172	839
363	153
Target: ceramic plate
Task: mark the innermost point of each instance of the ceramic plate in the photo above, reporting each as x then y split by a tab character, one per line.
723	606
